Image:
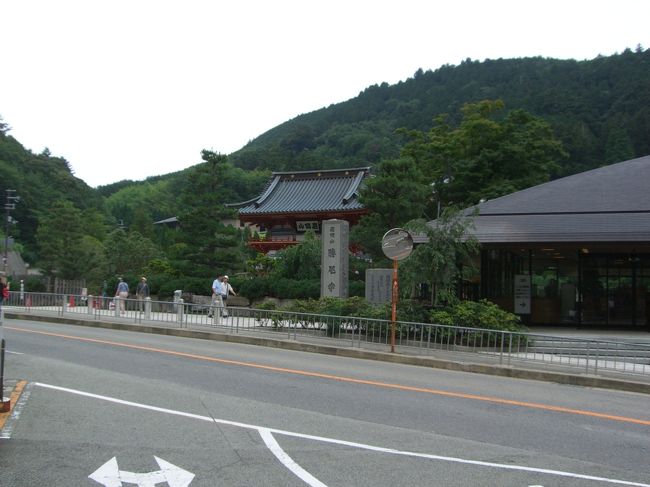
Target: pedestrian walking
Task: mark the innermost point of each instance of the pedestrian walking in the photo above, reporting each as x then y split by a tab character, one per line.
122	293
142	293
216	306
228	291
4	289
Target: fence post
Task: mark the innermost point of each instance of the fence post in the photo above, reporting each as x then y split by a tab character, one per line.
509	347
64	304
503	336
147	308
90	303
179	312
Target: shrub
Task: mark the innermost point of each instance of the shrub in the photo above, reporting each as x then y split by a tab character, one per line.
164	286
477	314
256	288
33	284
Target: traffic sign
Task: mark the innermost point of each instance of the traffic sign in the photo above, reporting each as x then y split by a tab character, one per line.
397	244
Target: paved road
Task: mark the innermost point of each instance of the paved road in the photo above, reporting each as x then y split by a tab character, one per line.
140	409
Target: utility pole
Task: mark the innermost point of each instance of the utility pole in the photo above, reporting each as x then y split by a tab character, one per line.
10	204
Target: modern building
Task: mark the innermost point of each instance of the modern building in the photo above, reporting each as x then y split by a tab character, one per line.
571	251
294	202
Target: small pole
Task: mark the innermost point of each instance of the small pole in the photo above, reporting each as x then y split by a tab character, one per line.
393	315
5	404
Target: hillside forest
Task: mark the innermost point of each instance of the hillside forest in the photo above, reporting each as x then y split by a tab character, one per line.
440	139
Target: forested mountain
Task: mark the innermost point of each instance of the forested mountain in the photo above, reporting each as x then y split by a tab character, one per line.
39	180
544	118
599	109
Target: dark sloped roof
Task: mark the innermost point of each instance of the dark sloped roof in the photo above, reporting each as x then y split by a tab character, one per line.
608	204
589	227
307	192
621	187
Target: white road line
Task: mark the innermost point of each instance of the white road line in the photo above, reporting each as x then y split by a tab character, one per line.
287	461
363	446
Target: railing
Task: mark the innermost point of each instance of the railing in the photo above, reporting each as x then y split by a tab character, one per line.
588	356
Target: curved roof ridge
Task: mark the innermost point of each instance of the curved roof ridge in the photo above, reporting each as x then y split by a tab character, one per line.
321	171
268	191
354	186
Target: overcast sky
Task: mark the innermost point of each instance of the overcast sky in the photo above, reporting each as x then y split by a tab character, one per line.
126	89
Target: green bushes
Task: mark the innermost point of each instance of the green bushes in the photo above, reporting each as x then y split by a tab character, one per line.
474	324
477	314
480	315
284	288
261	287
165	288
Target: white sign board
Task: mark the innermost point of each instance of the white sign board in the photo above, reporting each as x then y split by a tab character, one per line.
522	294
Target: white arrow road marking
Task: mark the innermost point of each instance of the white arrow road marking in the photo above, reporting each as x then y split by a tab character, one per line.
109	475
503	466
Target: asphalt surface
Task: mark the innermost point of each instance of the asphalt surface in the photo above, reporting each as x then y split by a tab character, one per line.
447	360
209	407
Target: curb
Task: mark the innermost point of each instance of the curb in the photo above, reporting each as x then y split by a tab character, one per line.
16	390
496	370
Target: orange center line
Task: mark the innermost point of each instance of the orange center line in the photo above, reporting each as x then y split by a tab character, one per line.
387	385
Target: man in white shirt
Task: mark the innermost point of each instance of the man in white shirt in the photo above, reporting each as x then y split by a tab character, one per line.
217	296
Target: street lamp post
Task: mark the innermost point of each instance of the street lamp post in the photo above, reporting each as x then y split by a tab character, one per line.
10	204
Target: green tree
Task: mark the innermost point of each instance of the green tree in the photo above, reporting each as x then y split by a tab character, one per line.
445	259
59	236
397	194
209	246
487	155
300	261
92	258
128	253
142	222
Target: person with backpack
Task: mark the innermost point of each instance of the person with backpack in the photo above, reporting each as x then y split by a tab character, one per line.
122	293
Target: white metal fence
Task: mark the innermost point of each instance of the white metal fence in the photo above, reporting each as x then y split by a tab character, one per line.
588	356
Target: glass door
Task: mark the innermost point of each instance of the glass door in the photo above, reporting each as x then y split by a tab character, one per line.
620	291
615	290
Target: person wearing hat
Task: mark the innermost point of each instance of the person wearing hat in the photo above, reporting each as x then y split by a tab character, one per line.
227	289
142	292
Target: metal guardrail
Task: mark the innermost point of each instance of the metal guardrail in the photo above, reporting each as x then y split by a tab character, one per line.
588	356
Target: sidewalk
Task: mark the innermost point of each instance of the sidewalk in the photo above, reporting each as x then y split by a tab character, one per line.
632	336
